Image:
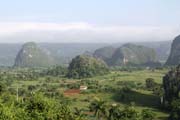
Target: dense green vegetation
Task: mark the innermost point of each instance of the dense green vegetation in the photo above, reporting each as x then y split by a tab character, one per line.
41	94
85	66
35	107
171	85
117	93
55	71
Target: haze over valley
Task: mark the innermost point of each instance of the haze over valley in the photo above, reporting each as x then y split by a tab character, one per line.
90	60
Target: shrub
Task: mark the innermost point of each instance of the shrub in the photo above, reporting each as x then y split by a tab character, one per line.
175	112
147	114
150	84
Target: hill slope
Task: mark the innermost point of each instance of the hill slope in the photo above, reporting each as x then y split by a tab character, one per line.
131	54
105	53
30	55
85	66
174	57
64	52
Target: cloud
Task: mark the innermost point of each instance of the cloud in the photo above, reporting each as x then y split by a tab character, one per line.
10	28
82	32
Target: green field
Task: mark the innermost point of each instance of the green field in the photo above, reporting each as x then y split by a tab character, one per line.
138	96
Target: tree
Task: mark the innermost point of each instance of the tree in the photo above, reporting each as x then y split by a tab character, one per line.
79	113
114	112
150	84
2	87
129	113
147	114
171	85
39	107
175	112
55	71
99	108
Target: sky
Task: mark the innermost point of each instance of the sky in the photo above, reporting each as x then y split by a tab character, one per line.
87	21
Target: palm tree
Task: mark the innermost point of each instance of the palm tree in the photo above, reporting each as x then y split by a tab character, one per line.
79	113
114	112
99	108
129	113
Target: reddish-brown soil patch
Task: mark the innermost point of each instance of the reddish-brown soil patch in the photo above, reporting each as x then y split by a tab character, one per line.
71	92
88	113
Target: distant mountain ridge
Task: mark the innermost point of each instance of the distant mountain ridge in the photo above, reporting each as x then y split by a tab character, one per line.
64	52
127	54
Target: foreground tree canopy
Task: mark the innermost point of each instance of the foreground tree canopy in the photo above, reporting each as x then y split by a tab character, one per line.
85	66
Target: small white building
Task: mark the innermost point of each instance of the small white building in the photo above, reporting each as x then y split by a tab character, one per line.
83	87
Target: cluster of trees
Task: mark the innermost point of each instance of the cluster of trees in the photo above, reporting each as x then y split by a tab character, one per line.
85	66
155	87
36	107
103	111
171	85
41	107
19	74
28	74
55	71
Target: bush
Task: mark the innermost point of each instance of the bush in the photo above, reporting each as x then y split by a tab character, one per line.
175	112
55	71
147	114
150	84
129	84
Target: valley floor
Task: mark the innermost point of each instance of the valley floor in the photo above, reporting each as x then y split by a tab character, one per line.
107	88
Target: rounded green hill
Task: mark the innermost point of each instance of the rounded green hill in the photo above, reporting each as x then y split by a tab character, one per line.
30	55
85	66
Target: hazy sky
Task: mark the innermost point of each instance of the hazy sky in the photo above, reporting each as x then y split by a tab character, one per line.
89	20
